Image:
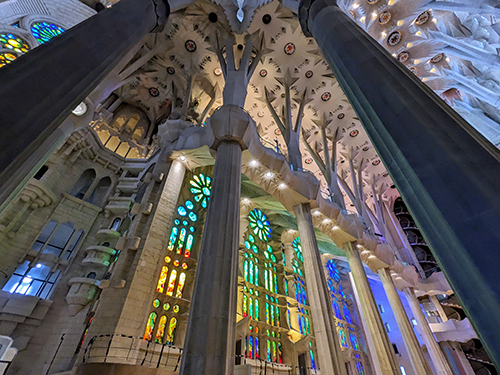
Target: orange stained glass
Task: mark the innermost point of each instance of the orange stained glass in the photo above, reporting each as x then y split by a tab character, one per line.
171	331
162	279
148	335
189	246
180	286
161	329
171	283
180	244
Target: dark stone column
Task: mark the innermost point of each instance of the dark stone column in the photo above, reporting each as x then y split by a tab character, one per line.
40	89
209	347
447	173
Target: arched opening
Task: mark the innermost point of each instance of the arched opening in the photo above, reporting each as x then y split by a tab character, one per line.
82	185
100	192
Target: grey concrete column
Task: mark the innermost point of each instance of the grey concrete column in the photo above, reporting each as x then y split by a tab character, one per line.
209	345
329	354
59	75
412	345
452	194
381	348
437	356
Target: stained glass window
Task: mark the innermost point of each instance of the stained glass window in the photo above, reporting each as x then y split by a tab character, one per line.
45	31
347	314
180	286
148	335
201	187
269	359
162	279
245	308
171	283
250	347
161	329
173	238
180	244
14	43
257	349
171	331
275	357
189	246
298	249
333	271
354	341
250	307
336	308
245	270
6	58
256	315
259	224
313	362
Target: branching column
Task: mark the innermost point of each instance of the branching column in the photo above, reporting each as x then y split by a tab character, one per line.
381	348
210	339
437	356
329	354
411	342
452	194
59	75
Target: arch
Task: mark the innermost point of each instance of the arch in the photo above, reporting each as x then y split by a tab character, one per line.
171	331
100	192
83	184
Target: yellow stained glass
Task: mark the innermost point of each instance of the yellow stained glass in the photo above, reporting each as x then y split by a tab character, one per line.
148	335
162	279
171	283
161	329
180	286
171	331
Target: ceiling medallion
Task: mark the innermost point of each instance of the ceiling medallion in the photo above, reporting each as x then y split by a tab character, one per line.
376	162
154	92
354	133
289	48
170	70
394	38
436	59
277	131
326	96
423	18
403	56
385	174
263	72
366	148
260	113
190	45
308	161
217	71
340	116
371	2
384	17
309	74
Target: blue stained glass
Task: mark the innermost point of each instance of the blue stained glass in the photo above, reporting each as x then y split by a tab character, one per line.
273	258
185	223
189	205
45	31
192	216
255	249
177	221
181	211
251	238
191	229
266	254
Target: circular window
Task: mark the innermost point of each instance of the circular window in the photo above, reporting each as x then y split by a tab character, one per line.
190	45
326	96
289	48
309	74
403	56
156	303
384	17
263	73
394	38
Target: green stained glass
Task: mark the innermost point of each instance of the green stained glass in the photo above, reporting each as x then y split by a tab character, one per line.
250	308
14	43
256	275
256	315
245	271
266	254
251	271
181	211
268	316
201	189
166	306
277	315
180	243
177	221
247	245
156	303
255	249
251	238
273	258
192	216
189	205
173	238
272	315
45	31
245	308
259	224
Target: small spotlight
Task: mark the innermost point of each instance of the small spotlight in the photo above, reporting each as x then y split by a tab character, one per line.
282	185
245	200
182	158
268	175
326	221
254	163
359	246
316	213
335	227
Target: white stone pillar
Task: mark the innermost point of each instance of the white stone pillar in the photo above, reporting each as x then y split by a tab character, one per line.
437	356
329	354
420	365
381	348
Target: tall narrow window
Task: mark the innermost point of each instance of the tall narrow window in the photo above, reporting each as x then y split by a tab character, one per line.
245	308
171	331
245	270
171	283
150	326
161	329
180	286
173	238
162	279
37	281
189	246
180	244
256	315
250	347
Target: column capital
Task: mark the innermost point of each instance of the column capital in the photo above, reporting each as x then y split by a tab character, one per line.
229	123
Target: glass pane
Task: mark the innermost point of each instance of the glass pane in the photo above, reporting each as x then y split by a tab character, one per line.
53	250
34	288
62	235
39	272
12	284
37	245
54	276
75	240
46	291
49	228
21	270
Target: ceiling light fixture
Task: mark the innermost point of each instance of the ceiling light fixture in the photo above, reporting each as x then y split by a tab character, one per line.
268	175
182	158
282	185
254	163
